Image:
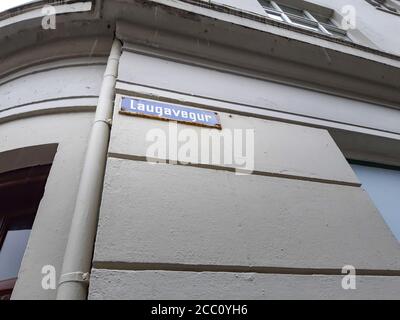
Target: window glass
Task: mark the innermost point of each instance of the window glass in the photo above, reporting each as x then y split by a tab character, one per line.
383	186
337	33
293	11
324	20
304	23
386	5
275	16
12	252
267	4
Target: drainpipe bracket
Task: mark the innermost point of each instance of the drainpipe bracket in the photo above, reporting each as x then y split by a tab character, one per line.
75	277
107	121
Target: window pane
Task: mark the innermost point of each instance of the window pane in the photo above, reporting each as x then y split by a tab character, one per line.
338	33
274	15
293	11
305	23
383	186
266	4
12	252
324	20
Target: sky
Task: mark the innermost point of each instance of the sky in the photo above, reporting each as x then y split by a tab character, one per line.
7	4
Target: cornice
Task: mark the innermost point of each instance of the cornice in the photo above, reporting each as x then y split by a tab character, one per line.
191	33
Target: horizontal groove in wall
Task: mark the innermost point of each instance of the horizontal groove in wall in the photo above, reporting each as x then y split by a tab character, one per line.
126	266
53	60
31	70
47	101
46	110
231	169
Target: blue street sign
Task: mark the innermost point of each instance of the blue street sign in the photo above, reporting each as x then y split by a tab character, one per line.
165	111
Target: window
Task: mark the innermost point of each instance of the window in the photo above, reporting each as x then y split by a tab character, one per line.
391	6
20	195
383	186
303	19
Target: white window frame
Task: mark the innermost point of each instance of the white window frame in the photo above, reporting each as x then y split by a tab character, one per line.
385	4
319	26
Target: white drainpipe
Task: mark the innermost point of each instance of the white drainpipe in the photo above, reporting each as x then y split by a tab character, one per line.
74	280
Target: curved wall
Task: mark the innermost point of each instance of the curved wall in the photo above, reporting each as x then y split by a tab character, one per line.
49	104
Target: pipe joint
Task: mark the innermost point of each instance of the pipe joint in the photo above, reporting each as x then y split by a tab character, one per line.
82	277
107	121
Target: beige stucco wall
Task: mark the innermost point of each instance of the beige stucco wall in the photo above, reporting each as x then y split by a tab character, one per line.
172	214
176	231
189	219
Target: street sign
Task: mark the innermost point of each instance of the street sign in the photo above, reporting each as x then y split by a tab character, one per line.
169	112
